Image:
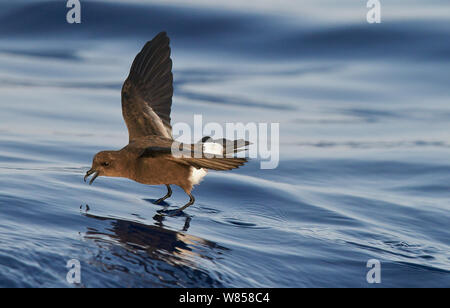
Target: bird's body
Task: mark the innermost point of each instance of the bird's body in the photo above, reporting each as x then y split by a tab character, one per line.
168	171
149	157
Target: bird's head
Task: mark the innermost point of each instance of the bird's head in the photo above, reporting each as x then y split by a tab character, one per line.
106	163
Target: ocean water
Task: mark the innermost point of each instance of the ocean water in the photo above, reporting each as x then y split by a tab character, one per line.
364	169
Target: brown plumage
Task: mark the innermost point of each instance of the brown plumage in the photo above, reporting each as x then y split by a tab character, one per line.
146	106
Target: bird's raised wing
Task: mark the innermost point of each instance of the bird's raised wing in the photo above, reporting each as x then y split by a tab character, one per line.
147	92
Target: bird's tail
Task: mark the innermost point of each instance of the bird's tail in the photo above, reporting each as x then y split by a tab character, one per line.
223	146
218	154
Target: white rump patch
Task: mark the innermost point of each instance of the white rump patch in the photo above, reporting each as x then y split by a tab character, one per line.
197	175
212	148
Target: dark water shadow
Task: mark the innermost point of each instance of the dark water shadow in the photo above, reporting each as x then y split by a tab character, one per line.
153	256
153	201
165	212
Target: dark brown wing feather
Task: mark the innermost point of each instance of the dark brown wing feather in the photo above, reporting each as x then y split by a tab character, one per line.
147	92
220	164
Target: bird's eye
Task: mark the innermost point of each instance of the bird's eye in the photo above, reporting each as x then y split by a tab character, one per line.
105	164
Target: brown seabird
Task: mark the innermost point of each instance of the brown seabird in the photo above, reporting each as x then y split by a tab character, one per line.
148	158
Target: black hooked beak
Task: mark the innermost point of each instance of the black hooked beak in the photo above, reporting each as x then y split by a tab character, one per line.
89	173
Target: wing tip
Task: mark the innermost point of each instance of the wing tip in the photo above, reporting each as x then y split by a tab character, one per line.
161	35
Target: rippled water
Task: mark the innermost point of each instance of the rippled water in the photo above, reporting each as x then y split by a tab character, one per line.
365	141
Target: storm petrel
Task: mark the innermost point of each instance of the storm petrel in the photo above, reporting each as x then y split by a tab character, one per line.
149	157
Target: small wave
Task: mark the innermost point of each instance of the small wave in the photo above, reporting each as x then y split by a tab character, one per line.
376	144
66	55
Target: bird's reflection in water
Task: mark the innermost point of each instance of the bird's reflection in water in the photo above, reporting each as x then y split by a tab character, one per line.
153	255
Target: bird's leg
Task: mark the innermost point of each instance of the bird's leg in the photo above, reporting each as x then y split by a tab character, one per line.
191	201
169	193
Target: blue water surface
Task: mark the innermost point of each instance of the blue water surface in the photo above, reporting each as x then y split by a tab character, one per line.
364	168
